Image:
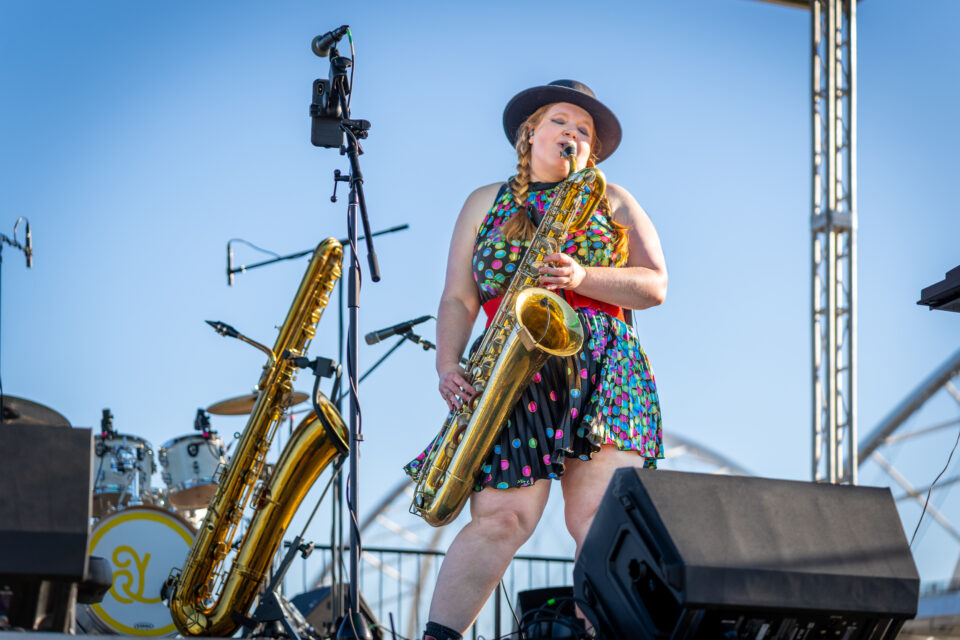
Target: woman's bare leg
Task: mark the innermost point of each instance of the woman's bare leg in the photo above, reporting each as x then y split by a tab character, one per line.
501	521
584	483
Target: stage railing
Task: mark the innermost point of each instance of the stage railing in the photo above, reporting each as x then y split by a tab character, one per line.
401	582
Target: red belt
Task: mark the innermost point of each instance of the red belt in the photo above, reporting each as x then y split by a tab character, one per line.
576	301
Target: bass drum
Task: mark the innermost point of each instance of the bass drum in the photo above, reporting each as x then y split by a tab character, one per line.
142	544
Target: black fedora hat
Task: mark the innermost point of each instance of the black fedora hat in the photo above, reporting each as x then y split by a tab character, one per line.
529	100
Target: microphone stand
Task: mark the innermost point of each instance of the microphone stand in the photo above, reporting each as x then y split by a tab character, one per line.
243	268
353	626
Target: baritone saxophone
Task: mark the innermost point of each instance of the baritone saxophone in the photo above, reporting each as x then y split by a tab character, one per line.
531	325
209	598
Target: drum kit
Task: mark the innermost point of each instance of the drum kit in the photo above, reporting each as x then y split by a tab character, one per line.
144	531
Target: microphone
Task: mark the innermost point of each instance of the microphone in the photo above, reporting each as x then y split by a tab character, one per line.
229	265
28	249
376	336
322	44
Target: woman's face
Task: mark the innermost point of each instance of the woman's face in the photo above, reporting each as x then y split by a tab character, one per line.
562	124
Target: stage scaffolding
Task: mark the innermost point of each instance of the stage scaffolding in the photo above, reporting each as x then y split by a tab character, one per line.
833	226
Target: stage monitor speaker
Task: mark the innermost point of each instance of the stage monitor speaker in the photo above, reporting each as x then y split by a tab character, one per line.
693	556
317	607
45	488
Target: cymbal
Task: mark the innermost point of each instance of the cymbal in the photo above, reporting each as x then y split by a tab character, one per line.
27	413
242	405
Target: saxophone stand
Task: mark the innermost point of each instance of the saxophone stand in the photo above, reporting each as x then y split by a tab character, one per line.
275	616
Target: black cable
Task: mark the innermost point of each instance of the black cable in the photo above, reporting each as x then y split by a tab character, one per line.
930	490
503	588
552	608
260	249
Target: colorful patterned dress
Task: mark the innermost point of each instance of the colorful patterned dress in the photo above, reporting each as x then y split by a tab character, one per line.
604	395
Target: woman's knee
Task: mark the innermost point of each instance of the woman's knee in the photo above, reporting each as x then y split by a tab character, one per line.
506	524
578	518
513	515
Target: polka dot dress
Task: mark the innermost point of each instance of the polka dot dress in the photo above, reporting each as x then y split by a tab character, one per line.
604	395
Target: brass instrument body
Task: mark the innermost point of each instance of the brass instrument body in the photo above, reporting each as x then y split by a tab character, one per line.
194	607
531	325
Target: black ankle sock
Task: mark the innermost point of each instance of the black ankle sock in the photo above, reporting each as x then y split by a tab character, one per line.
440	632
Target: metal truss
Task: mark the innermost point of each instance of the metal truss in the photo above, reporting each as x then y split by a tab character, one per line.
834	246
891	433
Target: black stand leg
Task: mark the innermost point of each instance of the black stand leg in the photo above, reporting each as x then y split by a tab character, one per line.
354	626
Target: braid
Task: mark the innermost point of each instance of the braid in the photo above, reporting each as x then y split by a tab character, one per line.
520	227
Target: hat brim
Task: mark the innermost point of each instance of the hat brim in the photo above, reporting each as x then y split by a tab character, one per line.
522	105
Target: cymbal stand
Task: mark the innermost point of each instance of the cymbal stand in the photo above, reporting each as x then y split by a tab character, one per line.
27	249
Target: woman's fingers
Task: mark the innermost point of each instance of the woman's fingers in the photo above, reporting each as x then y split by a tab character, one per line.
455	389
559	271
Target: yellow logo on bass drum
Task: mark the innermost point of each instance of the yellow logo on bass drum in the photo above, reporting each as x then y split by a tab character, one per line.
124	579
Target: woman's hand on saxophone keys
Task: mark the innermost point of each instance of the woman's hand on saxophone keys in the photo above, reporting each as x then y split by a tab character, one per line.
454	388
561	271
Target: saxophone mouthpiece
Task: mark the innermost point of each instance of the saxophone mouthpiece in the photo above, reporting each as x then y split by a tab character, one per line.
569	150
223	329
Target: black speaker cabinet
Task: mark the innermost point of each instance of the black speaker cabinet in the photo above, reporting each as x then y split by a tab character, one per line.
45	487
678	556
317	607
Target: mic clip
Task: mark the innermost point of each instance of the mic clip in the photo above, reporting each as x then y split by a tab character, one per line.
322	367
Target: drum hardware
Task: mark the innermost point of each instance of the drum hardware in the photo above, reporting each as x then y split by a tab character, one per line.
124	469
27	249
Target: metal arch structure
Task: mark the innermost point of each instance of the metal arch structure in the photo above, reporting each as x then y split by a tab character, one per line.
684	448
887	433
833	225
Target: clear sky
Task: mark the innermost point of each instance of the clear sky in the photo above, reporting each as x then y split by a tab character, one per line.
139	137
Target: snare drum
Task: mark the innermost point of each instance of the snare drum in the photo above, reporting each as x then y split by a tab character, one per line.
123	467
142	544
189	465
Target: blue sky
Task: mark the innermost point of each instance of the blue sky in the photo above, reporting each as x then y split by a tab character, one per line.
139	137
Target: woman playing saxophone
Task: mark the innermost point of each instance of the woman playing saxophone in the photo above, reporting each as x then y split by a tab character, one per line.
583	416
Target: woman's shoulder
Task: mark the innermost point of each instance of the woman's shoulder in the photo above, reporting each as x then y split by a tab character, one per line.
487	193
623	206
480	201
